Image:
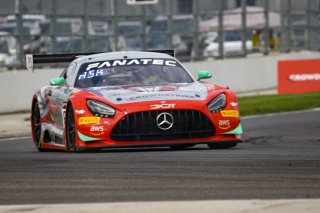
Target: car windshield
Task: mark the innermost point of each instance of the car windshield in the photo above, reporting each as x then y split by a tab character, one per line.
131	72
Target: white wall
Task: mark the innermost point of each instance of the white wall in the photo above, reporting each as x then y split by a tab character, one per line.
241	75
251	74
17	87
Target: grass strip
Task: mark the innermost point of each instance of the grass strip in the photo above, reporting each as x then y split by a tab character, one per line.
253	105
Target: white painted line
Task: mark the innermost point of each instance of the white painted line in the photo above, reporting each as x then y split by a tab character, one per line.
221	206
15	138
279	113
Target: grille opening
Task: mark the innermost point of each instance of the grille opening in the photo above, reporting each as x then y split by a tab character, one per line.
142	126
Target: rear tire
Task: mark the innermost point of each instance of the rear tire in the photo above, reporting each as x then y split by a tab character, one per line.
36	126
225	145
71	131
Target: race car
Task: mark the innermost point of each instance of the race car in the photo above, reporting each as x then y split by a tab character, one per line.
130	99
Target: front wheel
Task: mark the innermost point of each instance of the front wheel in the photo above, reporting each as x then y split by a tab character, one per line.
70	131
225	145
36	126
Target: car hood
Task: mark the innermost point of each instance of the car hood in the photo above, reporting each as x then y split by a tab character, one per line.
141	93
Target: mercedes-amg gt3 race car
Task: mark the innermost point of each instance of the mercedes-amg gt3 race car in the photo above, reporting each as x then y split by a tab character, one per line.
130	99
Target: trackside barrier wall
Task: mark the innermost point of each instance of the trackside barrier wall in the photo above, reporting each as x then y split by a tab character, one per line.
298	76
241	75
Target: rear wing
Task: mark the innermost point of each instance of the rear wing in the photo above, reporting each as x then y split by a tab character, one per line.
67	58
51	58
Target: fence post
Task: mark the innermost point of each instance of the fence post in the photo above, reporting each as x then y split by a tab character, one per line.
54	26
195	46
85	41
244	27
20	33
312	26
114	22
286	25
170	22
266	27
144	27
220	28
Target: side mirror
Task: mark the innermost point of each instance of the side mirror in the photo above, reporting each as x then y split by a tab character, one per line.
204	74
57	81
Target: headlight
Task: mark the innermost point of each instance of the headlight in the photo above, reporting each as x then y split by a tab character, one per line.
100	109
218	103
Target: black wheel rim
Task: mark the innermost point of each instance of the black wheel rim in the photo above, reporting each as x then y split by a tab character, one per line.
71	130
36	124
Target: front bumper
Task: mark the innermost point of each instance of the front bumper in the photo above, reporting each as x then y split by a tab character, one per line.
159	144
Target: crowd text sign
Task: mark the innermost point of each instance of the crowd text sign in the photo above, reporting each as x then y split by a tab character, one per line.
298	76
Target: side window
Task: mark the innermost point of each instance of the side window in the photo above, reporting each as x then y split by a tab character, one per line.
69	73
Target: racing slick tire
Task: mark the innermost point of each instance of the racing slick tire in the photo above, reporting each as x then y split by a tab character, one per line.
225	145
70	130
36	126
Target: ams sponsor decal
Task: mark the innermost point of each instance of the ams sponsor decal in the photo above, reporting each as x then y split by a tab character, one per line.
224	124
96	130
89	120
230	113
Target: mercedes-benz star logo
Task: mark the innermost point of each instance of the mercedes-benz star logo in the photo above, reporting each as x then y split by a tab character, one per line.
164	121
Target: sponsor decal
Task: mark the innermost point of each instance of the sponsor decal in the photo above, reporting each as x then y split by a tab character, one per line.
230	113
126	94
162	106
234	104
305	77
298	76
224	124
89	120
158	95
99	68
80	112
96	130
128	62
91	74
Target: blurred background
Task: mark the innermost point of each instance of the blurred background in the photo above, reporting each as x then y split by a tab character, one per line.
196	29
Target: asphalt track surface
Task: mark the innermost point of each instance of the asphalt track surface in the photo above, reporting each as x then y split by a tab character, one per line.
281	161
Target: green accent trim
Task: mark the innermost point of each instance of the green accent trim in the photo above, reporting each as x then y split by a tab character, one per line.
237	130
87	138
57	81
203	74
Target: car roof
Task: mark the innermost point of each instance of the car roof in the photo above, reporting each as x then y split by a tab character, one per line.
122	55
